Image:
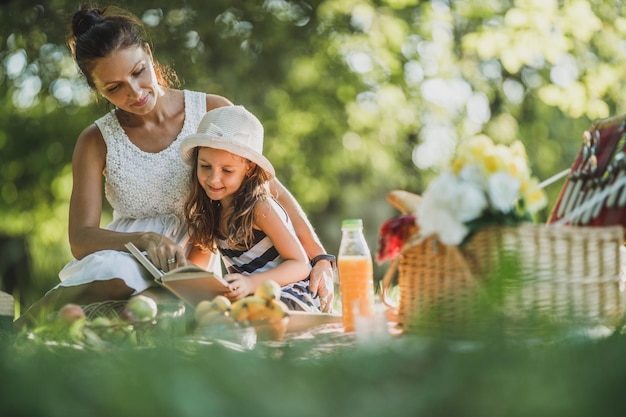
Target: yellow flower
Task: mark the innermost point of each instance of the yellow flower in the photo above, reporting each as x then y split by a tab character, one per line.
534	197
518	168
491	160
518	150
457	165
473	150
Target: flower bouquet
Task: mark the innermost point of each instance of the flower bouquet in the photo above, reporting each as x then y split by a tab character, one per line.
487	184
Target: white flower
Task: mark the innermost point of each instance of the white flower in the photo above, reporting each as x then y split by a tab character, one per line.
470	202
503	190
448	228
446	205
434	219
474	173
442	188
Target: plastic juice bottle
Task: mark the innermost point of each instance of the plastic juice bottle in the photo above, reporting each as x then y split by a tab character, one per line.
356	274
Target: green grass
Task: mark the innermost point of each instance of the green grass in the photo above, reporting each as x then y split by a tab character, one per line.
472	366
405	376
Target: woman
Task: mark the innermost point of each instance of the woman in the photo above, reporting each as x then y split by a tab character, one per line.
135	148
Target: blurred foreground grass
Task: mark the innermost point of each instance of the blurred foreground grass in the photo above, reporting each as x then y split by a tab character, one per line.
404	376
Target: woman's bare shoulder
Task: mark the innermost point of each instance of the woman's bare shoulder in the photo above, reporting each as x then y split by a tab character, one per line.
90	140
214	101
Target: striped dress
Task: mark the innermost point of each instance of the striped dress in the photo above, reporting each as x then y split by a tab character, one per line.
263	256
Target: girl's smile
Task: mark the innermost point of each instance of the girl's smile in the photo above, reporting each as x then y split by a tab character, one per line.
220	173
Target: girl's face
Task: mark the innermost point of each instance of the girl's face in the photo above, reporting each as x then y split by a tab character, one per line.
220	173
127	79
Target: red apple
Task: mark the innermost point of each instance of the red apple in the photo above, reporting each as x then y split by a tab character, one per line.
70	312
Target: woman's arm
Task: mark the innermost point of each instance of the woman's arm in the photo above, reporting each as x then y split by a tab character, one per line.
85	234
304	229
321	278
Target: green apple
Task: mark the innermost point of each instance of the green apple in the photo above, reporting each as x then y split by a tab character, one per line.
139	308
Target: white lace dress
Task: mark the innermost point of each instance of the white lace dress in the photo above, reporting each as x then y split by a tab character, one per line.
146	191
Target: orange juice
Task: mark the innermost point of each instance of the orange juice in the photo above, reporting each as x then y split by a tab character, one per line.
356	282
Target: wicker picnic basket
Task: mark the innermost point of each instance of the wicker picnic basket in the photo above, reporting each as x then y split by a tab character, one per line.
552	274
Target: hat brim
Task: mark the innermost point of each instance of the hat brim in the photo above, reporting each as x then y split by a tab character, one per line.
197	139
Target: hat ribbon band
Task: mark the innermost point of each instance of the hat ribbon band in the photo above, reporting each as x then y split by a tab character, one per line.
217	133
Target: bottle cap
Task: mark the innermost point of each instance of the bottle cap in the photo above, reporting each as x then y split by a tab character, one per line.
352	223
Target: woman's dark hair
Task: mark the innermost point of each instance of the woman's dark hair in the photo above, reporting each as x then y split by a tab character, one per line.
95	33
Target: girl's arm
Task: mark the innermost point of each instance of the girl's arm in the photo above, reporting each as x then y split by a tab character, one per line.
295	266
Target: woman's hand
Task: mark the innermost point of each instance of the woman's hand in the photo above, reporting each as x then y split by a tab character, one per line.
240	286
321	282
163	252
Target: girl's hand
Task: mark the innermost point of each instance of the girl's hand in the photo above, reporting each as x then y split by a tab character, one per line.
240	286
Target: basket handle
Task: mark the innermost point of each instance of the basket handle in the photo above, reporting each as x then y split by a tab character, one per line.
386	282
414	239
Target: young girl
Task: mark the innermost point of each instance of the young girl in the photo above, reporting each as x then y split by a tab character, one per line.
230	208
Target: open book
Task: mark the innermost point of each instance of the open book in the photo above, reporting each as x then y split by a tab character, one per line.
190	283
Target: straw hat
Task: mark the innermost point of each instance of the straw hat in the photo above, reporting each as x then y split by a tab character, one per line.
230	128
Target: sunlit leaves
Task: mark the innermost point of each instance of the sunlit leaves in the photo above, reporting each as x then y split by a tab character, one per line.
230	24
357	97
579	20
305	73
536	36
573	100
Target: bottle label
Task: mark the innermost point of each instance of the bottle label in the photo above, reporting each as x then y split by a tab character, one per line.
356	282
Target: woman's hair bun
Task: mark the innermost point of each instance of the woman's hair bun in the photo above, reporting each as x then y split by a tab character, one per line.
84	19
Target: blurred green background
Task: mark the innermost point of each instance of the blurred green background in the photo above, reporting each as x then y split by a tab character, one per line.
358	98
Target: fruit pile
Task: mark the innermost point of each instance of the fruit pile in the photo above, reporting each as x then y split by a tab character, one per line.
263	311
71	324
258	317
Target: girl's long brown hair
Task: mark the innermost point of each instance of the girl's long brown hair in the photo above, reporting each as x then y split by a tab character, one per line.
203	214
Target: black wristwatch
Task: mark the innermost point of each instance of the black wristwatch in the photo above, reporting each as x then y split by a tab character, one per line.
325	257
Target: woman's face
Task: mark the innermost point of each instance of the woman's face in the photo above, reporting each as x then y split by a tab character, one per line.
220	173
127	79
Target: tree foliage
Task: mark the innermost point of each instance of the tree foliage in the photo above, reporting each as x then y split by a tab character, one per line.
358	97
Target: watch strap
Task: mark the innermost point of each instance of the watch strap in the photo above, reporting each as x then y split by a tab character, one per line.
325	257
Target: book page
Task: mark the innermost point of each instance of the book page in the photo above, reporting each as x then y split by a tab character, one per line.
193	288
181	270
191	272
143	259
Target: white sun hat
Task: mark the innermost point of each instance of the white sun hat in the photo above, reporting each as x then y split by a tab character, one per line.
229	128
